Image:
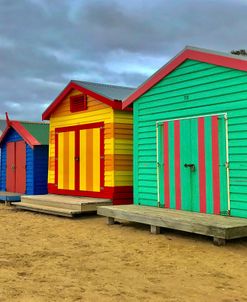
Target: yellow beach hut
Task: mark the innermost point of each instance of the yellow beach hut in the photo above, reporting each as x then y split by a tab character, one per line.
90	147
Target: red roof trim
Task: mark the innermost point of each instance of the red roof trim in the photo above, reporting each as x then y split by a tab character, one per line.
198	55
112	103
22	131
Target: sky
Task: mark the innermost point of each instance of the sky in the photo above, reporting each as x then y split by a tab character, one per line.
46	43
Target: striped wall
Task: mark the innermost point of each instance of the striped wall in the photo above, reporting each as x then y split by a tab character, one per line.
66	161
123	148
192	89
117	143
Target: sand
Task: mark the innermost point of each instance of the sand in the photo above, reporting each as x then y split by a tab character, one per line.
48	258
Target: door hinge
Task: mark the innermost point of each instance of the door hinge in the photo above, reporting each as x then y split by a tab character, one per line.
101	188
227	165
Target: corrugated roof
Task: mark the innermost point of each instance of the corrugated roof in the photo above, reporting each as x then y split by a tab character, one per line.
38	130
112	92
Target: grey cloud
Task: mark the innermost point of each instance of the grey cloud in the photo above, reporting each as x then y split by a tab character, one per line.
44	44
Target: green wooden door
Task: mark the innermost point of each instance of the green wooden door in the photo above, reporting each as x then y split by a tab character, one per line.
193	165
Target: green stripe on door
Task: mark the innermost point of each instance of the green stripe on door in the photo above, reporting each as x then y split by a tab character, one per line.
185	157
208	159
195	200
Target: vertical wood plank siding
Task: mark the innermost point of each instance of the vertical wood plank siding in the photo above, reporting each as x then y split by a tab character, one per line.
193	89
41	168
12	136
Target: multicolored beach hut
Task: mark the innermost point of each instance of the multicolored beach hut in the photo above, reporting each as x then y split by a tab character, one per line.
24	157
190	134
90	150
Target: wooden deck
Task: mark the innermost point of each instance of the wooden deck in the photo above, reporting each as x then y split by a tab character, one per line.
221	228
60	205
8	197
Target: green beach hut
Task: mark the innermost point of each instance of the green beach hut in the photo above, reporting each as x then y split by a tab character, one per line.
190	134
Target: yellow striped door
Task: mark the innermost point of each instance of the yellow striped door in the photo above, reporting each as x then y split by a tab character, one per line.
66	160
90	160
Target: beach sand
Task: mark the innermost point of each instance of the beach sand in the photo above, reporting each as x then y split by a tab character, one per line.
48	258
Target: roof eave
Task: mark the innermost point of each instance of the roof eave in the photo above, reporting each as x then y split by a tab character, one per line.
112	103
24	133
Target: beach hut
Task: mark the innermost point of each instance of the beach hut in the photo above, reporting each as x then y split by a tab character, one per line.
24	158
90	149
190	145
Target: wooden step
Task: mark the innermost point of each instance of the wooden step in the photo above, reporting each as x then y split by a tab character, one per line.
76	206
47	209
83	204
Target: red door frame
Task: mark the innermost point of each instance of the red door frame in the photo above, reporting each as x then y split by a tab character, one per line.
77	129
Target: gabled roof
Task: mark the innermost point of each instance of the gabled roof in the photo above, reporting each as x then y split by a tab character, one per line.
111	95
34	134
192	53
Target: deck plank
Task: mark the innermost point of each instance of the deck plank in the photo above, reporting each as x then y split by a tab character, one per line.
62	203
205	224
48	210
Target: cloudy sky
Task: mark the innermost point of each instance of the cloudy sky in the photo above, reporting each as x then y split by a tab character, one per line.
46	43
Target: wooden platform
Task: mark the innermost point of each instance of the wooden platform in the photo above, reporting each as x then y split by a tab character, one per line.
221	228
7	197
60	205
